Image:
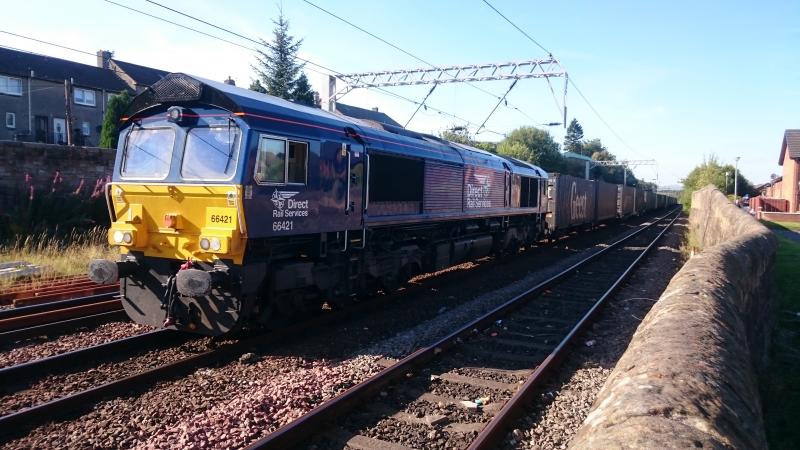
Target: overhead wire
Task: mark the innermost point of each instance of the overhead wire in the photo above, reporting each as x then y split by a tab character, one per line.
266	44
406	52
570	79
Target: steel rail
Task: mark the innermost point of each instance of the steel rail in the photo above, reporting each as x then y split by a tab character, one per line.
57	315
494	432
64	326
61	304
300	429
65	361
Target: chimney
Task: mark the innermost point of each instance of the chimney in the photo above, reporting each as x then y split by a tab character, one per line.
375	108
103	57
230	81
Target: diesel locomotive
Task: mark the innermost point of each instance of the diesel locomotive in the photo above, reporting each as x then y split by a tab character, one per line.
232	208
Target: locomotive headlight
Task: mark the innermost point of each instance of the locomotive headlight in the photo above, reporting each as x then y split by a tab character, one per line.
175	114
127	237
118	237
215	244
204	244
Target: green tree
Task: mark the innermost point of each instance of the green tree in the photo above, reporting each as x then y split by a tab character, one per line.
573	140
712	172
114	110
258	87
533	145
277	70
303	93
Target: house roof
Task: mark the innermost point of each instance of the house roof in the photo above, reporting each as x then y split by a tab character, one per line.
791	143
142	75
367	114
20	64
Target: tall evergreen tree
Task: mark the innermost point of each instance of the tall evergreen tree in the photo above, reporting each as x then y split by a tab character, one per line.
278	72
573	140
114	110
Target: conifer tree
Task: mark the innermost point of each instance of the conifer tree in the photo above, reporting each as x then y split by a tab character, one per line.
278	72
573	140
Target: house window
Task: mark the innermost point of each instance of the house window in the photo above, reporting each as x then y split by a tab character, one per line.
273	166
86	129
11	120
84	97
10	85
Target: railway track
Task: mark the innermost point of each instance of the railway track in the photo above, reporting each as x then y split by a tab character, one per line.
59	316
18	422
464	390
20	374
39	292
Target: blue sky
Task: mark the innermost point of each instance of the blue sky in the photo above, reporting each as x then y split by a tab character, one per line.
678	80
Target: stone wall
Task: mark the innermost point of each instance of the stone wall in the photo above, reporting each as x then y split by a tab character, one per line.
688	378
46	167
46	186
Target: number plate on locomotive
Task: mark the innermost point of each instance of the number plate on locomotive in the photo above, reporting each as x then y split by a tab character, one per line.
221	218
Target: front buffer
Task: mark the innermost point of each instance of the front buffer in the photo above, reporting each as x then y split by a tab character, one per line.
190	296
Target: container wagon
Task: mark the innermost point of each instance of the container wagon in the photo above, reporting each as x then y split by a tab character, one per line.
605	201
625	201
571	202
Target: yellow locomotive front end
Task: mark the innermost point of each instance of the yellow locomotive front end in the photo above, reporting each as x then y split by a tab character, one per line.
182	247
202	223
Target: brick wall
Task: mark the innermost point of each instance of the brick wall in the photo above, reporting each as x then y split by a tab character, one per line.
24	164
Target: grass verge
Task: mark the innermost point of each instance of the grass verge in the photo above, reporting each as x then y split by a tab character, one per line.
58	256
791	226
782	391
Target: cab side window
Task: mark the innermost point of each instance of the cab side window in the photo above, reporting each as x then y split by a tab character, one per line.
281	161
297	162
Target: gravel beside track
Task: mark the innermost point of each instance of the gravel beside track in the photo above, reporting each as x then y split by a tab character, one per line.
13	353
565	402
236	403
60	385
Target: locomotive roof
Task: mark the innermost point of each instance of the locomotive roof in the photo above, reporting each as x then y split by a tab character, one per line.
251	105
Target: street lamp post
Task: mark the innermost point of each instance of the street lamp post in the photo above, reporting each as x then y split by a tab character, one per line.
736	182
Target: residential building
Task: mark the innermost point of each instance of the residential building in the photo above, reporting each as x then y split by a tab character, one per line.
33	94
33	101
788	187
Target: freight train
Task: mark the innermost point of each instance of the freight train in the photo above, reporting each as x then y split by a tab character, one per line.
232	208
